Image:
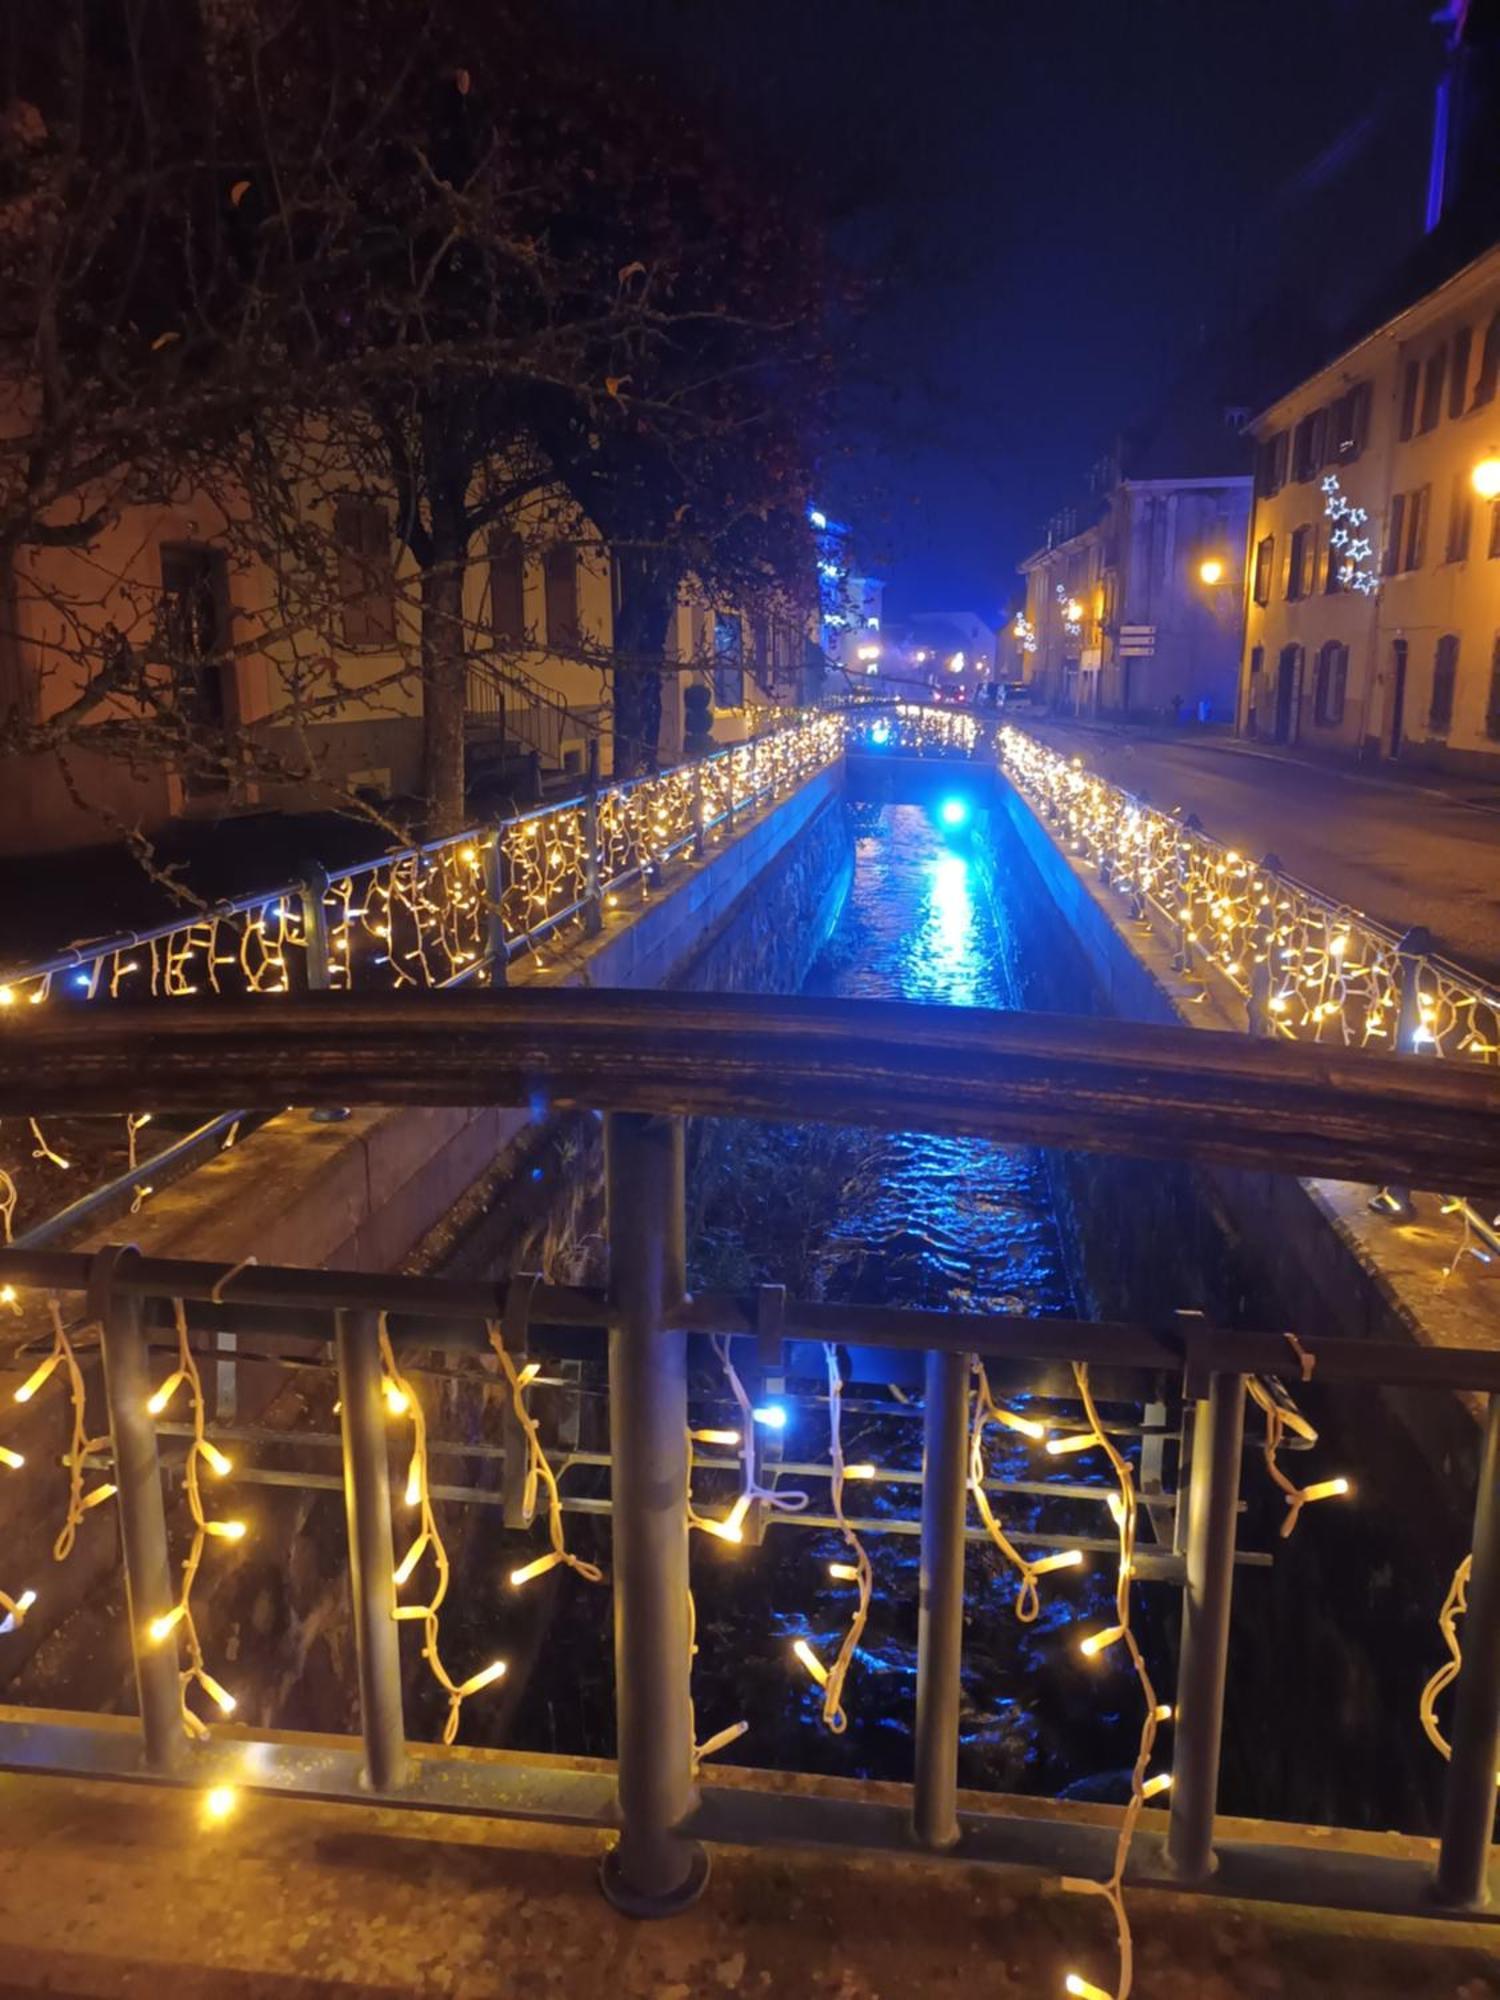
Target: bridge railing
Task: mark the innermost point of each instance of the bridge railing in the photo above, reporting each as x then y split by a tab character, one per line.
444	913
677	1469
1305	968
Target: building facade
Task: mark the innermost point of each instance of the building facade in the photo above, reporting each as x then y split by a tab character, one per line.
1372	593
1136	613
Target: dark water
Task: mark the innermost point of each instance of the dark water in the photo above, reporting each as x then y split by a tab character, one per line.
899	1218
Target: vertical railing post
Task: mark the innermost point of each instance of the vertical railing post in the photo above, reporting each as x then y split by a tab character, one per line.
654	1868
940	1614
699	814
143	1519
729	756
1415	945
1469	1801
493	857
311	891
593	902
1263	967
1213	1508
367	1507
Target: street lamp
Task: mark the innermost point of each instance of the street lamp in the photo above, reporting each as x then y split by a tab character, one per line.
1211	570
1486	477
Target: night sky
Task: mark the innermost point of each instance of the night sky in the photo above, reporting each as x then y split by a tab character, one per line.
1059	200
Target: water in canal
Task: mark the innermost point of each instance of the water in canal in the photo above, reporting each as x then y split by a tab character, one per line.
907	1219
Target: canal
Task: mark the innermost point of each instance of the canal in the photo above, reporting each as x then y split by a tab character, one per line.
1332	1643
900	1218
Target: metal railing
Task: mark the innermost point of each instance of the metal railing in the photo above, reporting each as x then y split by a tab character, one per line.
655	1058
445	913
1304	967
505	699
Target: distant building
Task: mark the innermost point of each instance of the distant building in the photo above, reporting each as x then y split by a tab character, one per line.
1373	607
954	650
851	606
1373	599
1133	601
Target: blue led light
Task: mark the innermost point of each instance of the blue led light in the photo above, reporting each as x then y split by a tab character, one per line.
81	980
880	732
772	1415
954	812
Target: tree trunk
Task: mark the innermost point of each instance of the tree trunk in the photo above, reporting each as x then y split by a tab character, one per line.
648	593
444	668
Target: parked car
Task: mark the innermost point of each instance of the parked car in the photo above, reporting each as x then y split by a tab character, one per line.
1014	694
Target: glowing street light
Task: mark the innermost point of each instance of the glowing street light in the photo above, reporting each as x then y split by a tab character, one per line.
955	663
1211	570
1486	477
1073	611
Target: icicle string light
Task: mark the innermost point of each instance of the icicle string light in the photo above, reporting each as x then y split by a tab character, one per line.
1279	1420
428	1542
81	1446
201	1451
831	1679
539	1474
986	1412
1112	1888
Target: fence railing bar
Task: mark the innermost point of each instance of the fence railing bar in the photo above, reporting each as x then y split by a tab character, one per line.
181	1152
940	1606
465	1308
1468	1829
1213	1507
149	1596
367	1502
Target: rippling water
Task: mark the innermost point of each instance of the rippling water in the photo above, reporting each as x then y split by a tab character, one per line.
901	1219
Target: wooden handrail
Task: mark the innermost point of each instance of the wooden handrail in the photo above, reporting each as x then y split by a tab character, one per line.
1093	1085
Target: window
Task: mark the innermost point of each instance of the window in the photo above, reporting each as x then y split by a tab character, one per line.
1410	383
367	583
1348	424
1492	706
1418	506
1489	365
194	636
1460	520
1433	378
729	655
1265	565
1330	681
1444	680
1390	555
1299	564
507	587
1307	446
1458	374
560	586
1270	465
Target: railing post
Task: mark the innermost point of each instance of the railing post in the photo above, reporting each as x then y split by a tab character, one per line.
593	905
729	793
1262	1017
940	1614
1213	1506
699	830
654	1868
493	855
143	1519
1414	946
367	1507
310	891
1469	1800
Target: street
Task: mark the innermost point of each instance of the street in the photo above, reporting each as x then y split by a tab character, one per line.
1395	849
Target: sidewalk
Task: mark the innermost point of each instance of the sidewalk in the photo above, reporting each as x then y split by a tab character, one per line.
1474	791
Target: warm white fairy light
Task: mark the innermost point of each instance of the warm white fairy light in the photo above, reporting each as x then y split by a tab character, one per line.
428	1541
987	1411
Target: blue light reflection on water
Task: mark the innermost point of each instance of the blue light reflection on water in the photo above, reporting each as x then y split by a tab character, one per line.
917	1220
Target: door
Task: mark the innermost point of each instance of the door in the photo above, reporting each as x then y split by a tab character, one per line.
1288	694
1398	696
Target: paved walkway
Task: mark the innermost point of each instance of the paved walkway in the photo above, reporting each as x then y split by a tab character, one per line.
1420	852
107	1890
